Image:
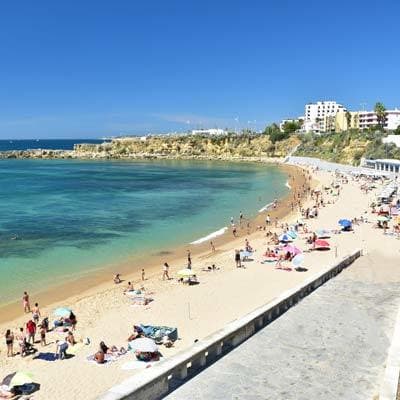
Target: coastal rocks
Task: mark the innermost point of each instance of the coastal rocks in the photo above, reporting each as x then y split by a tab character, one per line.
228	147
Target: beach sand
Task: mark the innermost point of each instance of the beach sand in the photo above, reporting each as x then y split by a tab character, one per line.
104	313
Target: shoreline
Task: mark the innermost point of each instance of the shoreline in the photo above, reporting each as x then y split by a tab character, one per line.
101	280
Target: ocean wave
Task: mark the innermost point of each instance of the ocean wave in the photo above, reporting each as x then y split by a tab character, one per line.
211	236
266	207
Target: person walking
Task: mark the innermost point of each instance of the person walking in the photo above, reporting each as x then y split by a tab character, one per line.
237	259
189	259
165	271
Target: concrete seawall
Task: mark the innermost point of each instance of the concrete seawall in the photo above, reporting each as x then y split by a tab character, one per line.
159	380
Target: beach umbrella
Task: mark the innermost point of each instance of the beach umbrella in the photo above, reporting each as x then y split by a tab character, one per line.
322	233
383	218
298	260
285	238
143	345
186	273
345	223
292	249
292	234
322	244
17	379
245	254
62	312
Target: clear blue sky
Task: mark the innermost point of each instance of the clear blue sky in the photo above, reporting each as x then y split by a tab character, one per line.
93	68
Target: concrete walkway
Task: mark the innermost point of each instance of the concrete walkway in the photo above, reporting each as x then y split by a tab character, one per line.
332	345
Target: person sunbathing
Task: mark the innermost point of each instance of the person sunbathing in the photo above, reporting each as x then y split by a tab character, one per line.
137	333
129	288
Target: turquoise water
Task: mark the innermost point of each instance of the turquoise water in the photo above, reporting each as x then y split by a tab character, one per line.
74	217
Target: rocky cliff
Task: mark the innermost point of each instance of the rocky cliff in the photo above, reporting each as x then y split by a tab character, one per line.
229	147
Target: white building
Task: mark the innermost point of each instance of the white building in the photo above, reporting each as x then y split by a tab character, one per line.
210	132
319	116
369	119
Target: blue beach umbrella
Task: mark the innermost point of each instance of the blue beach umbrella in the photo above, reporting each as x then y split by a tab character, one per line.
62	312
344	222
285	238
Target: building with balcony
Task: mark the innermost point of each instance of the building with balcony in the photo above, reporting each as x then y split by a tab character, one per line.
320	116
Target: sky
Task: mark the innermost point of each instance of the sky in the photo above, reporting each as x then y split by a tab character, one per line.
88	69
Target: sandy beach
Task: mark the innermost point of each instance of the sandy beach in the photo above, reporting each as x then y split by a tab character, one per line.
105	313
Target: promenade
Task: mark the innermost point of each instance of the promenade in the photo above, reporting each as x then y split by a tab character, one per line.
332	345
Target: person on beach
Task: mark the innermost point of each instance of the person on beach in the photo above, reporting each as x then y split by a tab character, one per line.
189	259
212	247
71	339
31	331
165	271
61	349
42	333
21	341
232	221
237	259
117	279
268	220
36	313
25	302
9	336
72	320
129	288
234	231
143	275
240	218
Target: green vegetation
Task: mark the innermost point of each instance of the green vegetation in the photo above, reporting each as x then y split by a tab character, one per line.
347	147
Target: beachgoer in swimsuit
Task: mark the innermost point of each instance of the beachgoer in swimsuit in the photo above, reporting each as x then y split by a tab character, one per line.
237	259
165	271
25	302
10	343
36	313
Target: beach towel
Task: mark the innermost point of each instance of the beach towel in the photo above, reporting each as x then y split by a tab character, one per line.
108	358
46	356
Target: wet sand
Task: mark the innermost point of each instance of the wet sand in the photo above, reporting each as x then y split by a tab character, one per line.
100	280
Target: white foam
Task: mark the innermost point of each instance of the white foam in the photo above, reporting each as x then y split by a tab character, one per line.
266	207
287	184
211	236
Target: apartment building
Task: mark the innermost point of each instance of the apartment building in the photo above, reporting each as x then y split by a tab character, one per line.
320	116
365	120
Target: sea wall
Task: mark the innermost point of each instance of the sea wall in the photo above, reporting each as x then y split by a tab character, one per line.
156	382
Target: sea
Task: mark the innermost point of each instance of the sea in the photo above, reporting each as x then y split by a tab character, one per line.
62	219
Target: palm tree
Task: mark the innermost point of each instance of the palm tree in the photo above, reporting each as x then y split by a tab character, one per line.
380	112
348	119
